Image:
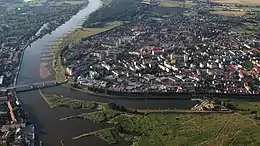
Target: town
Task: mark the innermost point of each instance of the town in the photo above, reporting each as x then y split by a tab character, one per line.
21	24
16	129
182	51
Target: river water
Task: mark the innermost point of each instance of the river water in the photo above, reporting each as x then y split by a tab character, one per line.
49	128
29	69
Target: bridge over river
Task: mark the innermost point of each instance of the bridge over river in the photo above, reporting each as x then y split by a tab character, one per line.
33	86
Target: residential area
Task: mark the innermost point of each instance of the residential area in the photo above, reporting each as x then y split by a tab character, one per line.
182	51
15	127
21	24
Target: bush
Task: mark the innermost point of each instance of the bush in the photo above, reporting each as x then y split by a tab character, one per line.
253	112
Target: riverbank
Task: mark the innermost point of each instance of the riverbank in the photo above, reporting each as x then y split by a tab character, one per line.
165	95
49	129
39	34
22	32
155	127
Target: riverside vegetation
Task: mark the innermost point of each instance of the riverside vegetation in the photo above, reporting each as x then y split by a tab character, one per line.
24	22
165	129
141	129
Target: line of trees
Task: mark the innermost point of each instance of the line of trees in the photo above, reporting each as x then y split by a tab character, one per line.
117	10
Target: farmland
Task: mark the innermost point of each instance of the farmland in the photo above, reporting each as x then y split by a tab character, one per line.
242	2
186	4
230	13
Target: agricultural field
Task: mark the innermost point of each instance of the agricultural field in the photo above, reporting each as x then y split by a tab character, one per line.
86	32
68	2
54	3
242	2
186	4
247	29
229	13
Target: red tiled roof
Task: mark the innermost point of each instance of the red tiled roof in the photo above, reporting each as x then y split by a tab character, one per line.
156	48
11	111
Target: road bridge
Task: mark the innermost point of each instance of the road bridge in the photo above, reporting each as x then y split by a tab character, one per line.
32	86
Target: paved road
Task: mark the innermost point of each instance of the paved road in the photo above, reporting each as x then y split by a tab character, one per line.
37	84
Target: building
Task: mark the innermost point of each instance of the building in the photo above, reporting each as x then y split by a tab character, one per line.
1	80
69	71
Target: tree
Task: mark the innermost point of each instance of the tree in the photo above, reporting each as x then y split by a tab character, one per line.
253	112
230	106
258	15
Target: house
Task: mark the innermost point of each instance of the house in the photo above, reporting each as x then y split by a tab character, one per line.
69	70
1	80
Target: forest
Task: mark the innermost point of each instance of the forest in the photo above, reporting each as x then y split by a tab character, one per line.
116	10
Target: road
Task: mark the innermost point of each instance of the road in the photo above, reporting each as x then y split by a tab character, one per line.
37	84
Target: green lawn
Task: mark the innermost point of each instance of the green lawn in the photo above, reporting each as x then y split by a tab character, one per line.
179	130
100	116
236	129
246	107
3	144
76	2
242	31
105	134
55	101
86	32
186	4
249	28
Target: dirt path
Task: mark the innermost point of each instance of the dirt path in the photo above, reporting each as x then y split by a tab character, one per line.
224	126
247	119
233	137
220	130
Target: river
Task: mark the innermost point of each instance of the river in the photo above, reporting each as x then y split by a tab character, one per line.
29	69
49	128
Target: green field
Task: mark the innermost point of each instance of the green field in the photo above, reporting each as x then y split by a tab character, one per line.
176	129
104	134
3	144
100	116
59	101
246	107
76	2
54	3
237	129
186	4
86	32
184	129
247	29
